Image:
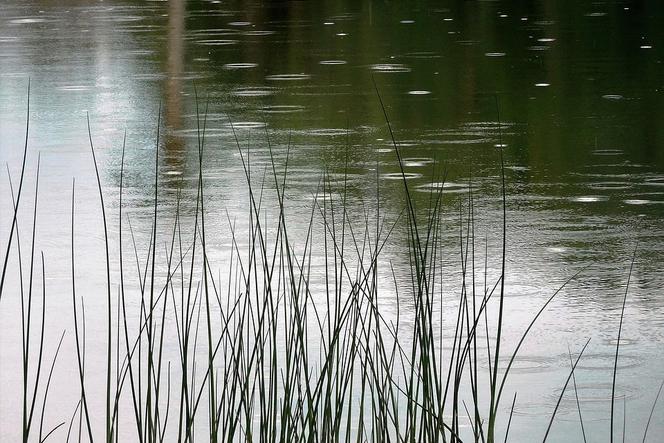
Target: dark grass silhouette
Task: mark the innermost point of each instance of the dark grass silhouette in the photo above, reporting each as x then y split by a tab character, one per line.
271	356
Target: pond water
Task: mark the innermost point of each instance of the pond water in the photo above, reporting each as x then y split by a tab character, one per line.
571	92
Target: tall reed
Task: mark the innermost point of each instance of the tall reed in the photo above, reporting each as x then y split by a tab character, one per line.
279	351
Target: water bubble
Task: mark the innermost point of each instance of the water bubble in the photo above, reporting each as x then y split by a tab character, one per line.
74	88
235	66
389	68
258	32
28	20
605	361
526	364
607	152
216	42
495	54
401	176
332	62
419	92
245	125
288	77
589	198
542	85
416	162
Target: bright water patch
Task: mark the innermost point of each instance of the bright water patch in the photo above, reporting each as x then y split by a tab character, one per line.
639	201
74	88
27	20
416	162
245	125
388	68
589	198
654	181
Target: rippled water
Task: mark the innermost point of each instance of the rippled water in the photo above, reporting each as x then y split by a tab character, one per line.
572	92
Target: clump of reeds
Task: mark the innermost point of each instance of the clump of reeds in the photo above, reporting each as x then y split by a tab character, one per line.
275	355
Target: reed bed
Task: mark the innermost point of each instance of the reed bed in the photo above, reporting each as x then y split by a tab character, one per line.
276	351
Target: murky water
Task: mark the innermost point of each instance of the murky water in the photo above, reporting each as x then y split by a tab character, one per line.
573	91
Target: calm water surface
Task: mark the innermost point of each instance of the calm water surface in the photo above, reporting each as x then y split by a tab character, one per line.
573	90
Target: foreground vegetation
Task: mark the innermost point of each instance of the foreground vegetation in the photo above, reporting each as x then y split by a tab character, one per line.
281	352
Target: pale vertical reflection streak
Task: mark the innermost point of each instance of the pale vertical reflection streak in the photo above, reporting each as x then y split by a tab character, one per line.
175	70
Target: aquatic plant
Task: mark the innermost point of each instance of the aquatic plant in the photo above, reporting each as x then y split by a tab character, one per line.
285	353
